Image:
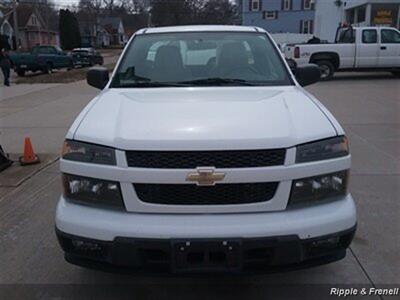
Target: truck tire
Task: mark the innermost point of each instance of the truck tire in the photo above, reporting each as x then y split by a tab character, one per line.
21	73
48	69
327	69
70	67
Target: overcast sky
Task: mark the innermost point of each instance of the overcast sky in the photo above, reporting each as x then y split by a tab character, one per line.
66	2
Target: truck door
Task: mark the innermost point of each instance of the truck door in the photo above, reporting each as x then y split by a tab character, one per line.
346	38
389	50
53	57
367	49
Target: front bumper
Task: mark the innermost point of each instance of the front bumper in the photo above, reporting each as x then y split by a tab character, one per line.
268	241
240	255
106	225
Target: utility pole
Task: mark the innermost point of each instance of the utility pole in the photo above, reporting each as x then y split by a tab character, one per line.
16	29
149	21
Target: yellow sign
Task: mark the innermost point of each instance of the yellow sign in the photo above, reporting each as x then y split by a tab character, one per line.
383	16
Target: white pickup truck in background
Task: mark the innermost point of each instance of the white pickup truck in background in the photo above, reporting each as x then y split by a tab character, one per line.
355	49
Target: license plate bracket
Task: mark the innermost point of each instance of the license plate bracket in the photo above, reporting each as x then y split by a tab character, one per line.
200	255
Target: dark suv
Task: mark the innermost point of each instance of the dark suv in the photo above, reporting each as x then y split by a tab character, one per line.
86	57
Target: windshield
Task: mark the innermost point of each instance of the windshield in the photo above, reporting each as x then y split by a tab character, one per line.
201	59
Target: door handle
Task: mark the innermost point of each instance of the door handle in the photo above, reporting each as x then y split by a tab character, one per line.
383	47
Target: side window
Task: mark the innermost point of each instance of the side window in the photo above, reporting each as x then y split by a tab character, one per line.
51	50
347	36
369	36
151	54
390	36
42	50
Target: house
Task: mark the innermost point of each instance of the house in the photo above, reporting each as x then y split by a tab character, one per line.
280	16
31	27
115	28
93	34
329	14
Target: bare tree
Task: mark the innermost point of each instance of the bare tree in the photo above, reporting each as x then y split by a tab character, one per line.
181	12
219	12
109	6
139	6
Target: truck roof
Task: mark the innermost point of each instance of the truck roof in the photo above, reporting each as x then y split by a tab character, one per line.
371	27
199	28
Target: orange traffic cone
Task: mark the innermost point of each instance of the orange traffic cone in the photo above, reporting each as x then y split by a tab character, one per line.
29	157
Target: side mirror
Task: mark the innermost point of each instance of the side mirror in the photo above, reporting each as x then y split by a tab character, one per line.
97	77
307	74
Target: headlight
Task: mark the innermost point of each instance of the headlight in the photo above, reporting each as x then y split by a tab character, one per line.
92	191
84	152
325	149
313	189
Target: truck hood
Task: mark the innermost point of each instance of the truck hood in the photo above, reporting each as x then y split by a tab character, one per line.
204	118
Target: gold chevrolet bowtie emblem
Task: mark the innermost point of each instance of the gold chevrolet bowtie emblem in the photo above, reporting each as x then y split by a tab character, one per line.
205	176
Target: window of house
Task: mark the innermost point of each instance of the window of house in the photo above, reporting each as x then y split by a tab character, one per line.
361	15
390	36
270	15
350	16
369	36
255	5
307	4
307	27
286	4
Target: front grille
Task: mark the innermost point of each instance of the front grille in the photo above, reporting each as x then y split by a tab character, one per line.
220	194
218	159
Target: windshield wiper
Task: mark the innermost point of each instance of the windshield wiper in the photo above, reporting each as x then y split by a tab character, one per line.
218	81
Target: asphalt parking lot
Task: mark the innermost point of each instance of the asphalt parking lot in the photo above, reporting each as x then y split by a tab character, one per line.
367	105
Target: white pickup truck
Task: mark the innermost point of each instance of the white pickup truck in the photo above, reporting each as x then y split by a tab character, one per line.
185	165
355	48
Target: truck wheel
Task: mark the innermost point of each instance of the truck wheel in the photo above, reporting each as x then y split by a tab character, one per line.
327	69
48	69
21	73
70	67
